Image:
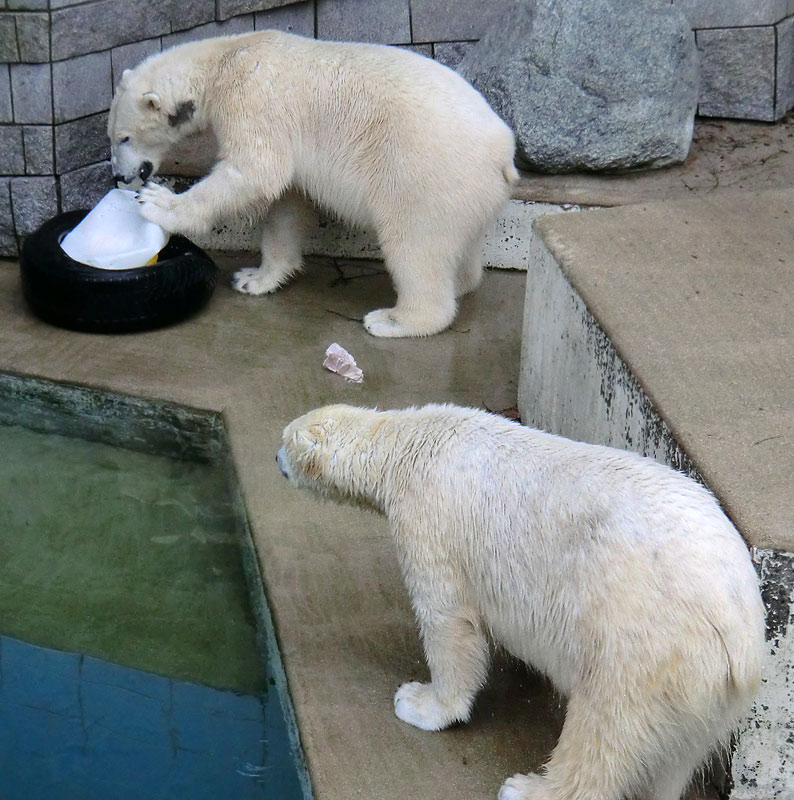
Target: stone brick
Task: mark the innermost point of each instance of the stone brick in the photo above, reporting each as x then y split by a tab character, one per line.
183	14
295	18
737	72
34	200
38	150
8	240
784	96
8	38
382	21
231	8
12	152
450	54
733	13
108	23
33	37
31	89
85	187
6	109
130	55
210	30
81	86
27	5
54	4
83	141
454	20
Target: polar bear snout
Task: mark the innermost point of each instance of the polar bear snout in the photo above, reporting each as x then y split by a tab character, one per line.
282	461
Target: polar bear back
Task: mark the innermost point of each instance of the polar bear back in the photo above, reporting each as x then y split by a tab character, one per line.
563	548
342	115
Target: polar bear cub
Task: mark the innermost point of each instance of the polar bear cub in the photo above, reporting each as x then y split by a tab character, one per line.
382	137
618	577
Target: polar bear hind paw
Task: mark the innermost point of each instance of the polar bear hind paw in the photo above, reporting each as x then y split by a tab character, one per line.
525	787
418	705
253	280
386	323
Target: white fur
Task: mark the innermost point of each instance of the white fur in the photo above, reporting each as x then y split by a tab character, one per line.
382	137
618	577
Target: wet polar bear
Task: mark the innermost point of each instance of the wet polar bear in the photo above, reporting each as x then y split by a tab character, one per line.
382	137
616	576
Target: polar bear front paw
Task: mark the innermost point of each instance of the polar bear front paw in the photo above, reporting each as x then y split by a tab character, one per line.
525	787
418	704
157	204
254	280
392	323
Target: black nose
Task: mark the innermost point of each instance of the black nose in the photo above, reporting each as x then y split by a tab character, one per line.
146	170
118	179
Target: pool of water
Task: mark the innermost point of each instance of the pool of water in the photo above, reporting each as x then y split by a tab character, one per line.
136	654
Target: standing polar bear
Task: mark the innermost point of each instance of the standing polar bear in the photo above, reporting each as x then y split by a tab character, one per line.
616	576
380	136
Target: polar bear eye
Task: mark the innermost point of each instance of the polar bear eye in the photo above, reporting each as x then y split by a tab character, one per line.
124	140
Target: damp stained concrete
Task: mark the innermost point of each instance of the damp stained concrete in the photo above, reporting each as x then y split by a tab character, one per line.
345	627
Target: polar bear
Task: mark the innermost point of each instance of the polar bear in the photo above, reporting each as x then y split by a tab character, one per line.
618	577
380	136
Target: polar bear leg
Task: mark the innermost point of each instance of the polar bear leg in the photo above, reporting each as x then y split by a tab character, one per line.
457	654
470	270
455	644
602	754
424	275
670	784
283	231
221	193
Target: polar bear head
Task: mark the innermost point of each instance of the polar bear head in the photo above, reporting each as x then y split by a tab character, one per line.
151	111
331	451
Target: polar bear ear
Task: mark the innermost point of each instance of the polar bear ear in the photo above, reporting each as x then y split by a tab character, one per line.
125	76
304	441
151	100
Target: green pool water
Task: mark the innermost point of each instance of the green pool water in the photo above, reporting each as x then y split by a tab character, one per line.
128	556
137	657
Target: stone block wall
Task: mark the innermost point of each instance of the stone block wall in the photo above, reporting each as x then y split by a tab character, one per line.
59	60
746	56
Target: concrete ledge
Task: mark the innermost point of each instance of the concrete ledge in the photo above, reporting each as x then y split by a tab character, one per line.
666	329
506	246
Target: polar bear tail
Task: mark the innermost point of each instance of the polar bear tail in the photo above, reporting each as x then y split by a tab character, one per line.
510	174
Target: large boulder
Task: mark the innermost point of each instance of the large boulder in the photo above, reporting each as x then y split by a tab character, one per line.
591	84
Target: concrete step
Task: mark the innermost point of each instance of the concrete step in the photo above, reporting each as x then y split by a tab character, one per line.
667	328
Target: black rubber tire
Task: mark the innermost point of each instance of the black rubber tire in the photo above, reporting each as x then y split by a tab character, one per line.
79	297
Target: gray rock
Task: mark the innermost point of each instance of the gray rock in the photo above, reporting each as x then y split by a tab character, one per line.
591	84
450	54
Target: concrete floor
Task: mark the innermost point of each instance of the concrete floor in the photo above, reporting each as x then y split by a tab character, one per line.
345	627
346	630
